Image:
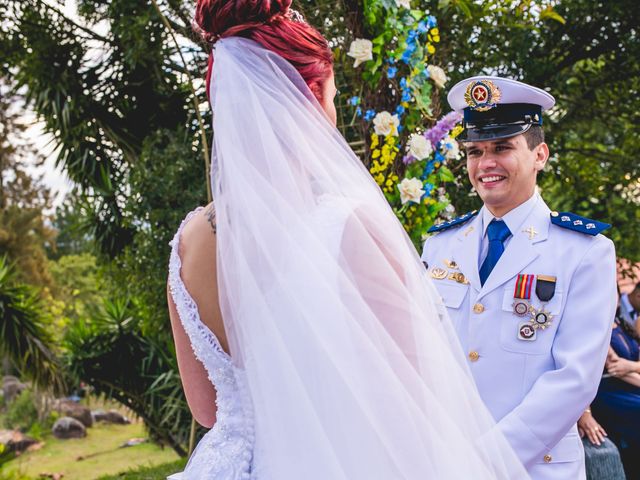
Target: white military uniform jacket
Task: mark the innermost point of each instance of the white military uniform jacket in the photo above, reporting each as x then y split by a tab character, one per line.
535	389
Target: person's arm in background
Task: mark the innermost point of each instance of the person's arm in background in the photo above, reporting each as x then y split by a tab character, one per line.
587	425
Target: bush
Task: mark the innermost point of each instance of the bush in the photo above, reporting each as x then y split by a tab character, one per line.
21	413
39	429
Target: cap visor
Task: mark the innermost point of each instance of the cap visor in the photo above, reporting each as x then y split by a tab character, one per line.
492	133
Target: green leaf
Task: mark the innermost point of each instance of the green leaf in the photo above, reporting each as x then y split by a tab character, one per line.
550	14
445	174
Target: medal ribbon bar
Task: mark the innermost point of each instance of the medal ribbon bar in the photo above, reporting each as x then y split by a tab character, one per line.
523	286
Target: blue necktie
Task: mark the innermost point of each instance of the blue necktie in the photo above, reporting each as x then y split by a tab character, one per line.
498	232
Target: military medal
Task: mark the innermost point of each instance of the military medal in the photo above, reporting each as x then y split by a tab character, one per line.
545	287
458	277
438	273
522	294
545	290
451	264
541	318
526	332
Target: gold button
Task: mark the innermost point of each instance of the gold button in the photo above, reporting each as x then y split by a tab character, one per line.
478	308
547	458
474	356
554	214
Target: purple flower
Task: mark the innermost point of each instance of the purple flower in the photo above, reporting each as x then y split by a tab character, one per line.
442	128
408	159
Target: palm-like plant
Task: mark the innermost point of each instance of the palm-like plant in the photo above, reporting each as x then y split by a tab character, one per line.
110	353
24	340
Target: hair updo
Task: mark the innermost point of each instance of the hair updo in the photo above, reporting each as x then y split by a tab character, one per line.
268	23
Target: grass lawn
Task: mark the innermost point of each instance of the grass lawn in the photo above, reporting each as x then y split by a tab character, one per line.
149	473
101	452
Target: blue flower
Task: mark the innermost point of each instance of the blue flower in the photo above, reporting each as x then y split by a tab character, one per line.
429	167
426	73
391	72
403	83
369	114
439	157
354	101
359	112
407	54
412	35
406	95
400	128
428	188
431	22
399	110
391	60
422	27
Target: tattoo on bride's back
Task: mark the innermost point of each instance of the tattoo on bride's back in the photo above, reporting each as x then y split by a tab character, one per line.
211	217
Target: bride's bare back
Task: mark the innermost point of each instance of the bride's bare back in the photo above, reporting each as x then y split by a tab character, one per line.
197	251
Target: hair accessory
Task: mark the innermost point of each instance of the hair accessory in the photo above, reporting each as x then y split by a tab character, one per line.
295	16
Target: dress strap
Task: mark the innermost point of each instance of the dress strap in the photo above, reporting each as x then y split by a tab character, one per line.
204	343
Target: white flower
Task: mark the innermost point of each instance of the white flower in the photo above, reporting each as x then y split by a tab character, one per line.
403	3
386	124
419	146
410	190
360	49
437	75
451	148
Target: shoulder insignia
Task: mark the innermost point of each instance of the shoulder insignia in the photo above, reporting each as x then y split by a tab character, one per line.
577	223
441	227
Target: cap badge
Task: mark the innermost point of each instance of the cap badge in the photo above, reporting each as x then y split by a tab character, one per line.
482	95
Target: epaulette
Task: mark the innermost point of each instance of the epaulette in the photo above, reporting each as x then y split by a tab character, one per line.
441	227
577	223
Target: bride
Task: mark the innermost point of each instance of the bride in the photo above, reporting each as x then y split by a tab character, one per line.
308	334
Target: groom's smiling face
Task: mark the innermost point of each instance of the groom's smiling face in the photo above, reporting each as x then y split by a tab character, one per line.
504	171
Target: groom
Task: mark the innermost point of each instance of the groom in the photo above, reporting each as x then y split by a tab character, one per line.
531	292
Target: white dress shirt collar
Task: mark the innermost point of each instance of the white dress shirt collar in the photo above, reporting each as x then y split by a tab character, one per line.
514	219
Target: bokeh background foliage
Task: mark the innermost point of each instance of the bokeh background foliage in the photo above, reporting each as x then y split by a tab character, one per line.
118	87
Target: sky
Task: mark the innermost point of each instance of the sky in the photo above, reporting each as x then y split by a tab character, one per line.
53	177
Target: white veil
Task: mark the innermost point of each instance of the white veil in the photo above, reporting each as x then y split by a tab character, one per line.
339	336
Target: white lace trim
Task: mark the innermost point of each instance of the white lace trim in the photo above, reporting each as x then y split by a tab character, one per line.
204	343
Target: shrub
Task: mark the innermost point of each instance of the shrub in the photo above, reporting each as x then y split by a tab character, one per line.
21	413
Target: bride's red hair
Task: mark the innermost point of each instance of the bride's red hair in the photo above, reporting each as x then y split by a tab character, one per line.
267	23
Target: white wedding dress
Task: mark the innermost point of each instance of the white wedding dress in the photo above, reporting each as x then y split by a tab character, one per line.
343	363
225	452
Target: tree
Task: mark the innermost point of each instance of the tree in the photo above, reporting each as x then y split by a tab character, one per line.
24	337
586	54
108	351
23	199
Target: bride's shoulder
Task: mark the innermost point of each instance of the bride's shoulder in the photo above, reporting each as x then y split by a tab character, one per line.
198	235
